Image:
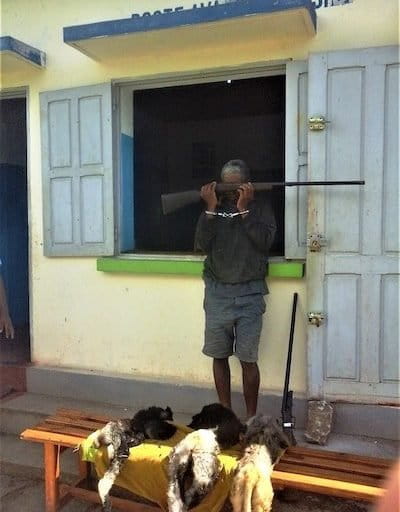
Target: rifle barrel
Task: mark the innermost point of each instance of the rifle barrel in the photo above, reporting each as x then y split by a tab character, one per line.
224	187
318	183
177	200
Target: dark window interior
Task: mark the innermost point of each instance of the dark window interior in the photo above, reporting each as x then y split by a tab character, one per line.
183	136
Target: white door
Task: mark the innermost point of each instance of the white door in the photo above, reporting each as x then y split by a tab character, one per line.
354	279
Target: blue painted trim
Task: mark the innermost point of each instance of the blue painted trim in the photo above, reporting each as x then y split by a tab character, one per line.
20	49
127	194
185	17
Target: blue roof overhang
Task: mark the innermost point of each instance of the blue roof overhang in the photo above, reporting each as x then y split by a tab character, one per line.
240	18
17	55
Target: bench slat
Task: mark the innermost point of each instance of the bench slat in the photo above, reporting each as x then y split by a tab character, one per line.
348	457
346	467
325	486
85	424
331	474
75	413
60	429
38	436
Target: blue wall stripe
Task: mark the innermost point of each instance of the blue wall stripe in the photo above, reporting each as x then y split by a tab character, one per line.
185	17
127	211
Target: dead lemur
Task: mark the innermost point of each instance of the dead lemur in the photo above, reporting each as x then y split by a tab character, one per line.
192	470
123	434
251	489
228	426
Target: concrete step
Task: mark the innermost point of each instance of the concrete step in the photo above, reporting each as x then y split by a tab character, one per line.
117	389
23	411
30	455
141	392
373	420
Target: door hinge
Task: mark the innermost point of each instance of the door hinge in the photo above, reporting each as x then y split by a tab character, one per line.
316	318
317	123
315	241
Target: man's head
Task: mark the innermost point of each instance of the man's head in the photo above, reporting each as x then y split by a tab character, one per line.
234	171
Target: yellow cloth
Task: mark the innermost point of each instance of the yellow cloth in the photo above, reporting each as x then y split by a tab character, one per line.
145	472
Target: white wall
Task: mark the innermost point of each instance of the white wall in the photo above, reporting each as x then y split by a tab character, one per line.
139	324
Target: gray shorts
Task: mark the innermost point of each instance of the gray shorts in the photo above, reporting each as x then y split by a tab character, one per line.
233	326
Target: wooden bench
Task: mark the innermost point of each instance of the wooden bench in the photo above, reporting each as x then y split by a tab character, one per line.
324	472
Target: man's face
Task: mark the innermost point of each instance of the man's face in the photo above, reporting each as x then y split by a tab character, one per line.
231	196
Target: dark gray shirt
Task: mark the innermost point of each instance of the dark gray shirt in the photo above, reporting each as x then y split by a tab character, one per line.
237	248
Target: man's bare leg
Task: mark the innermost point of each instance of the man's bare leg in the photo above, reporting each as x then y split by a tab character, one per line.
222	379
251	385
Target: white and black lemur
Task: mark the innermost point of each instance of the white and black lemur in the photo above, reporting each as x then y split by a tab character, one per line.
193	464
192	469
121	435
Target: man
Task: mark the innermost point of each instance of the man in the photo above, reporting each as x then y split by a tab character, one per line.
6	325
237	249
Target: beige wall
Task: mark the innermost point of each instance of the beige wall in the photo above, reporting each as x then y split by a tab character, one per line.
153	324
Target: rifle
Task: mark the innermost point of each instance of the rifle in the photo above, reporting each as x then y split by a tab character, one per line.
288	420
177	200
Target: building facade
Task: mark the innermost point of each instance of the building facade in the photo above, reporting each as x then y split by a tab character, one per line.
124	104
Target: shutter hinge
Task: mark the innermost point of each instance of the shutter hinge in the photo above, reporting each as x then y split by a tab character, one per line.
315	241
316	318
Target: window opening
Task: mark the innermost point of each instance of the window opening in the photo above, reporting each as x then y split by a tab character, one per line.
182	137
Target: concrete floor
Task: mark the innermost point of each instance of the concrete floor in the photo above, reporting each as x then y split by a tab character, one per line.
22	490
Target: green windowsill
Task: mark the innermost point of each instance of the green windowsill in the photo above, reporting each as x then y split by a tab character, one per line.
186	267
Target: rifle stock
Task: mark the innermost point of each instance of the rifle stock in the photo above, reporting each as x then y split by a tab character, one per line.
177	200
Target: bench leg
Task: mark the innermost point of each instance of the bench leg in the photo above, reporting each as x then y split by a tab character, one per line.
51	477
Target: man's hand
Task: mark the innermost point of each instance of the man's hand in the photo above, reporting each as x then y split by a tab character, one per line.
6	325
207	193
246	194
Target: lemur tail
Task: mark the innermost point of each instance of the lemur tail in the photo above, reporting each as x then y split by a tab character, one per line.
176	483
175	503
107	482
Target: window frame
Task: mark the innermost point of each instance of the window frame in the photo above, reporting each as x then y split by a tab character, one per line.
123	90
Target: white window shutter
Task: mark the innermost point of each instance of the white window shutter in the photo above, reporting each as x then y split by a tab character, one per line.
296	159
77	168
